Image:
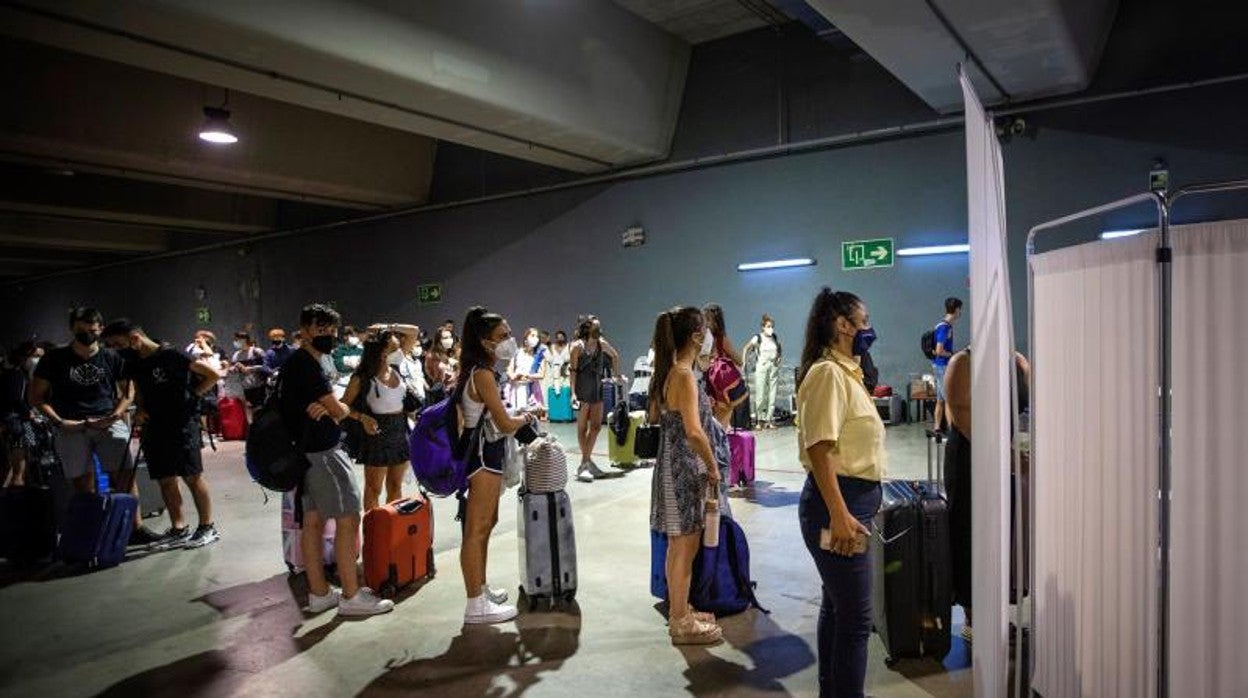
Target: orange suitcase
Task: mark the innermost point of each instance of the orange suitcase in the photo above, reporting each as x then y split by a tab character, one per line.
398	545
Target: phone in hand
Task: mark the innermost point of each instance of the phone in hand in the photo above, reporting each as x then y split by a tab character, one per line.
860	541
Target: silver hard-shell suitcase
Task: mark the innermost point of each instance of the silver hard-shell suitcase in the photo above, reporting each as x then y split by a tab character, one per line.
547	547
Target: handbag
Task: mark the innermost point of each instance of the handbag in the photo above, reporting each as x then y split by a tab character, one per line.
646	441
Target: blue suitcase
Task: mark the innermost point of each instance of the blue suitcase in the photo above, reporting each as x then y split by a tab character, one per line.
559	404
97	529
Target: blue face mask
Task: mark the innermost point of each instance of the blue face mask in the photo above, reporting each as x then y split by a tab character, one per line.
863	340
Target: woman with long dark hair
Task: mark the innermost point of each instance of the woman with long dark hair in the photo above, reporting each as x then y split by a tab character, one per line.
737	416
375	396
685	471
591	360
841	440
487	341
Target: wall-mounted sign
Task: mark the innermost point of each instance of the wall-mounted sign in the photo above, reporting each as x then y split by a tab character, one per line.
202	316
429	294
634	236
867	254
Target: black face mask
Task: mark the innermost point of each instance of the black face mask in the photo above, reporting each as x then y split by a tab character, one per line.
324	343
129	355
277	343
86	339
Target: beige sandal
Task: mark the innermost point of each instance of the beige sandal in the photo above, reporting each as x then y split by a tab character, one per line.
703	616
691	631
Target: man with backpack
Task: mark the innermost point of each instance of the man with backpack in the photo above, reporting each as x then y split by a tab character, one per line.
311	414
941	341
170	387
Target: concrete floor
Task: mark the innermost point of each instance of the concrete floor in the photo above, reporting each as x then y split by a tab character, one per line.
222	621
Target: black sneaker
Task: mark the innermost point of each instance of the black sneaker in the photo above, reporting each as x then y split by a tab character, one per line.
174	536
145	536
204	535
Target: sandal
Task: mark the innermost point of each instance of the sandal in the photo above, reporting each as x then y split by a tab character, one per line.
691	631
702	615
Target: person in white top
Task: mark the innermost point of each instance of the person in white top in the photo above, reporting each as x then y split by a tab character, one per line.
555	368
409	357
375	396
523	380
766	371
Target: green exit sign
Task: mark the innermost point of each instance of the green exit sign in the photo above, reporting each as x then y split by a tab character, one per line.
867	254
429	294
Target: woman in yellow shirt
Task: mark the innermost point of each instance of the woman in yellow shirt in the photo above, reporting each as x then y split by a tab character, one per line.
841	444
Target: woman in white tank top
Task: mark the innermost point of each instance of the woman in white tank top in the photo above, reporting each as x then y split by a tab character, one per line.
375	396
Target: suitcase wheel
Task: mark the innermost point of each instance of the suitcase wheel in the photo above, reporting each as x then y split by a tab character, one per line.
388	590
890	662
569	596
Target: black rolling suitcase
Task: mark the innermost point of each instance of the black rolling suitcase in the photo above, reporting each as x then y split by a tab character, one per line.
911	596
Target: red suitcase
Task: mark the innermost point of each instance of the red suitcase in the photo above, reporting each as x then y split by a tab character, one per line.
398	545
741	470
233	417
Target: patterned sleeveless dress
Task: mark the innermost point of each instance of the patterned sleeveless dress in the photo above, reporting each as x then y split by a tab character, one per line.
678	487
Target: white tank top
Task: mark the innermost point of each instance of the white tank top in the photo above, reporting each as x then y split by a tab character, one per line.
471	408
382	399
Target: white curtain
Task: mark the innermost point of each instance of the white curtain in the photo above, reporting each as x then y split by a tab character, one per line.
1094	469
992	343
1209	558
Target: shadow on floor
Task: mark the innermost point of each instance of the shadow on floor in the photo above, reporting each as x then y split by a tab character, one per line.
767	494
47	571
486	660
264	642
774	654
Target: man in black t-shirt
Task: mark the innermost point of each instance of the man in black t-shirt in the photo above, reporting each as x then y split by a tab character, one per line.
82	390
170	388
311	414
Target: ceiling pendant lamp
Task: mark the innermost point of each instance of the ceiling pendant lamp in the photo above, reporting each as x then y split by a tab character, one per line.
217	128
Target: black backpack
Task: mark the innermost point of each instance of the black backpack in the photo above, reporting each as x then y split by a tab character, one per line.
274	460
928	342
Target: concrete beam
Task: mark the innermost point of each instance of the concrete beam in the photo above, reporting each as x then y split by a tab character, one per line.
93	115
86	215
98	237
583	86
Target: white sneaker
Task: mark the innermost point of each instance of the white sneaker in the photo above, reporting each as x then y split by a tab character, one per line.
364	603
498	596
583	474
320	604
482	611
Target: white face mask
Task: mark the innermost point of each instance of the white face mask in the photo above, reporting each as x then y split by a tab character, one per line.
769	331
448	342
238	344
31	363
506	349
396	358
418	352
530	342
353	341
708	343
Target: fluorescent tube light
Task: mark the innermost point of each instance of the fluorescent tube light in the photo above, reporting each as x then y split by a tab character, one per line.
934	249
776	264
1115	234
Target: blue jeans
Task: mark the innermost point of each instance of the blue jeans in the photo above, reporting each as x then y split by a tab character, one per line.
845	613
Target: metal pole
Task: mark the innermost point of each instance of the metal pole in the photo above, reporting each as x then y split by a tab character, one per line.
1164	271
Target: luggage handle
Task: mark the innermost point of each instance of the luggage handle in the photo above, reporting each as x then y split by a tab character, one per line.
410	506
892	539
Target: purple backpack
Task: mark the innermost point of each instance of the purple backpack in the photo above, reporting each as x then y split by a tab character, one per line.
437	449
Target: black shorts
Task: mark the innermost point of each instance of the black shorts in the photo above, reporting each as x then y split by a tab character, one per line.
172	451
256	396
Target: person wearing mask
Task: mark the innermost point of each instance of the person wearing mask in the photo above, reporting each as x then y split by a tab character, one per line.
487	341
439	378
555	372
377	386
524	378
82	390
279	352
766	346
685	472
248	371
308	408
16	416
590	361
204	348
408	357
841	446
944	350
737	416
170	387
347	356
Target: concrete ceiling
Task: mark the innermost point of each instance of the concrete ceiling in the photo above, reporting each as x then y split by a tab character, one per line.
698	21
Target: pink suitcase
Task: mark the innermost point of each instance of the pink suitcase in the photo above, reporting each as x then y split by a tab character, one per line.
291	532
741	445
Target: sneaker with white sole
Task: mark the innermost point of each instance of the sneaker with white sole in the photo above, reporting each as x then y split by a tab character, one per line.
204	535
498	596
320	604
482	611
583	474
364	603
595	470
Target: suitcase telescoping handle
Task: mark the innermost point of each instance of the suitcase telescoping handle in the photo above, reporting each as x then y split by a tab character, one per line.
410	506
936	438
